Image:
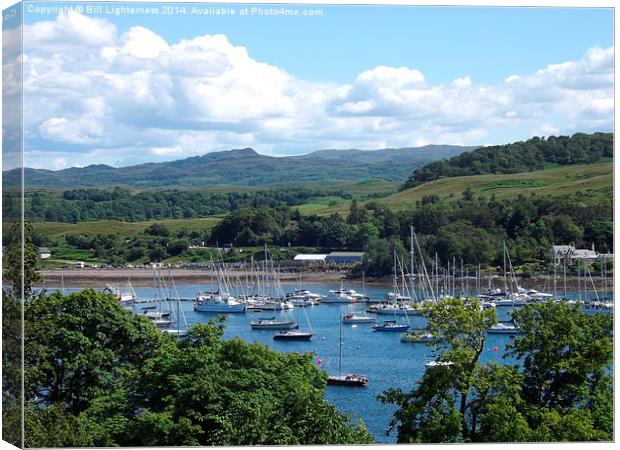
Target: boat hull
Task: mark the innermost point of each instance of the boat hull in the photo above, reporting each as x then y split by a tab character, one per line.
364	320
292	337
503	331
274	326
220	308
400	328
347	381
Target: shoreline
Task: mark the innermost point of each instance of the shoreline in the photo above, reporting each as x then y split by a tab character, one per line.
98	278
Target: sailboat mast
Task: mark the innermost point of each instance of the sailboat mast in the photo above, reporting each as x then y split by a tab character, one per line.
565	276
555	276
340	350
505	280
411	254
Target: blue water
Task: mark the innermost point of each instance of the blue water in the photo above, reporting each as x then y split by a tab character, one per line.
381	356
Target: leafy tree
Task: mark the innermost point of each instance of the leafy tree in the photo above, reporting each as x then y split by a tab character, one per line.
438	410
21	261
157	229
78	346
561	391
357	214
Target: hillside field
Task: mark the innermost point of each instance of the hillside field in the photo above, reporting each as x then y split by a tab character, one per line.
55	230
556	181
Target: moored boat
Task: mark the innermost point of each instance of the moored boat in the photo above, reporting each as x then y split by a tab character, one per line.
338	296
504	328
347	380
292	336
354	318
390	325
272	324
432	364
218	303
351	379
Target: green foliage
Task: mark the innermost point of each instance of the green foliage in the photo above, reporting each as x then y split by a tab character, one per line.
21	260
256	224
80	345
563	353
526	156
561	391
97	375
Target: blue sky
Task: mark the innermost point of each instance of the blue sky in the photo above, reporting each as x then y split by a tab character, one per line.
488	44
127	89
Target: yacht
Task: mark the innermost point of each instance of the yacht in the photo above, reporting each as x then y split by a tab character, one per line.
217	302
338	296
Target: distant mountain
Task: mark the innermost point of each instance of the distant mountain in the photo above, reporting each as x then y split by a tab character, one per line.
248	168
428	153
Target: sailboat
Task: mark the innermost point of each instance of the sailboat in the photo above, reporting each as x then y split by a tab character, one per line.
219	301
393	308
290	335
165	320
126	296
345	380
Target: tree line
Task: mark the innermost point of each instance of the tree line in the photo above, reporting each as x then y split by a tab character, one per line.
81	205
525	156
471	228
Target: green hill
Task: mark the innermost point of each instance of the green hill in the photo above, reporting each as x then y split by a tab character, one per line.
533	154
596	178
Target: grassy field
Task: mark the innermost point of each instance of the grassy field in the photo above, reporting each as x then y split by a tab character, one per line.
55	230
554	181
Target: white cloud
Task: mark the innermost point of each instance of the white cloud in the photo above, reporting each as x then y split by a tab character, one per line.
137	97
79	131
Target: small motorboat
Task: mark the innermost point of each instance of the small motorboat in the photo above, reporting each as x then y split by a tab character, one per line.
504	328
354	318
390	325
432	364
292	336
347	380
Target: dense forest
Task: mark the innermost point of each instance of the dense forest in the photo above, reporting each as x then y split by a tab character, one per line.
80	205
526	156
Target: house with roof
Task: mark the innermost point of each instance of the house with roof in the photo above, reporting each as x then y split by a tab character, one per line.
44	252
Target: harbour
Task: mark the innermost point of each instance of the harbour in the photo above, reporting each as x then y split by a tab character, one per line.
380	356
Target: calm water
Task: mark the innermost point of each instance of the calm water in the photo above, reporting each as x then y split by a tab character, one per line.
379	355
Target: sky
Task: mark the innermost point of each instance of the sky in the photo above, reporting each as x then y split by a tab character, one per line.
124	87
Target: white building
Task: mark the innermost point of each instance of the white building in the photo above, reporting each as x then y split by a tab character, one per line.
304	259
44	252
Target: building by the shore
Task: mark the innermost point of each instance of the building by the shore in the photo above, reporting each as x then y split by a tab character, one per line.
559	253
344	257
305	259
